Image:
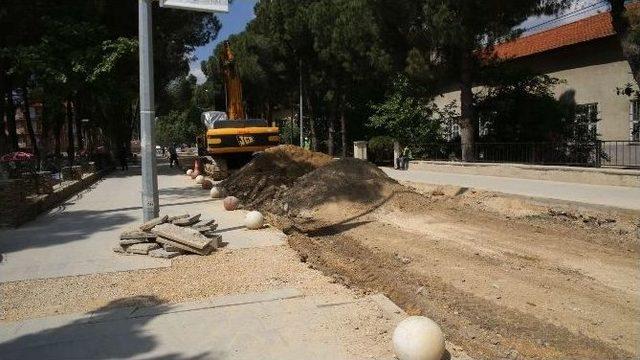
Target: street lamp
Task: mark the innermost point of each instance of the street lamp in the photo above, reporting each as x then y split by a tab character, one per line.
150	202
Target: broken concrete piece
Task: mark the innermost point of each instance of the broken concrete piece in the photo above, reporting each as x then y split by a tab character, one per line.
216	240
182	235
126	242
207	222
163	254
187	221
142	249
119	249
153	222
171	248
177	217
136	234
205	228
205	251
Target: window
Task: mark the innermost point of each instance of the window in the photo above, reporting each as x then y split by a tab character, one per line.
585	127
634	120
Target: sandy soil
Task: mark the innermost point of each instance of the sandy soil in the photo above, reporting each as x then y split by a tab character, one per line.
504	276
359	323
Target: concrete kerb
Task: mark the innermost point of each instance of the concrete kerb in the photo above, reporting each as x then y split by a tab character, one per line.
583	175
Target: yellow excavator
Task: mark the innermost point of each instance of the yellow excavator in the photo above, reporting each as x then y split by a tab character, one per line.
231	138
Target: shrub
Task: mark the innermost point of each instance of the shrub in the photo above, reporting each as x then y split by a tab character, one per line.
380	149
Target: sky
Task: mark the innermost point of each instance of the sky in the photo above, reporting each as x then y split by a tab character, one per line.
241	12
233	22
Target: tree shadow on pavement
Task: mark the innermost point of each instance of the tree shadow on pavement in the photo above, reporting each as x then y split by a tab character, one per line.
60	228
110	332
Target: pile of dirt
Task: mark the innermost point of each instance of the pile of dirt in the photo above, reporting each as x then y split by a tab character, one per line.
341	189
270	172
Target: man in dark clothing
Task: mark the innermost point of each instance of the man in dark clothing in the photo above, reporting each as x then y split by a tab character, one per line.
122	157
173	156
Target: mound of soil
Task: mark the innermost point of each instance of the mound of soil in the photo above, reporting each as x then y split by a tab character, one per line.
272	171
341	189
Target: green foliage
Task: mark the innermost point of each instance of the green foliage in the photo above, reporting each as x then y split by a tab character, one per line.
290	132
179	126
380	149
410	119
85	54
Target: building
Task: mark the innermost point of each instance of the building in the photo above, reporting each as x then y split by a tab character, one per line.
585	54
24	140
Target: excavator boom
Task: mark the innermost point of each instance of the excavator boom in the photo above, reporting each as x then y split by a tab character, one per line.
233	86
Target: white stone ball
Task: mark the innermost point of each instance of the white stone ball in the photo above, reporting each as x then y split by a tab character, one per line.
189	172
216	192
418	338
254	220
199	179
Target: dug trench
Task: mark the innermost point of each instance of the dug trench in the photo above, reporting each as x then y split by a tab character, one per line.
504	277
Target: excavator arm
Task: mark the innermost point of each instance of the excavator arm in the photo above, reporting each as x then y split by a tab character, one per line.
233	86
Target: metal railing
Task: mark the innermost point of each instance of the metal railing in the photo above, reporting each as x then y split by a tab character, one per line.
625	154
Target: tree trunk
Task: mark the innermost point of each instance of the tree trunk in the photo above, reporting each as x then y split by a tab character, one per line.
78	115
343	131
312	124
10	112
467	119
630	51
4	143
27	117
331	128
70	148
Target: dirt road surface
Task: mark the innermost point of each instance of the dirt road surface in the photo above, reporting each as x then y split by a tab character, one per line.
505	278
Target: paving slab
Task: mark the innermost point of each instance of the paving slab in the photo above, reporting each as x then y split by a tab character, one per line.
623	197
280	324
78	237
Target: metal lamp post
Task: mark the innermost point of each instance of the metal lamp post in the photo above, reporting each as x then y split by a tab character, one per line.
150	202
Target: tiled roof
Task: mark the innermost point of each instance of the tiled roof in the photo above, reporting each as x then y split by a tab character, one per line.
591	28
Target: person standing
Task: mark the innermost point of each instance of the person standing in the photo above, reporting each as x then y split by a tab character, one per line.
406	156
122	157
173	155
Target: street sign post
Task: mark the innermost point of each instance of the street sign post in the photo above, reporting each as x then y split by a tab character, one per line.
150	201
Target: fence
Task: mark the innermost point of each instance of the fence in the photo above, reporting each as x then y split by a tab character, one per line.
589	154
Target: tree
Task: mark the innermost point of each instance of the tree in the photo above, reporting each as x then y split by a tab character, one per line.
455	38
408	117
85	57
626	23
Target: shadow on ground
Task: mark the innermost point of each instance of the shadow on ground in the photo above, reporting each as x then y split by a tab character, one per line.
60	229
106	335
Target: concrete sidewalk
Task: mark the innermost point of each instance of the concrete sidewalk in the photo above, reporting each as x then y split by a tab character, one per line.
602	195
280	324
77	237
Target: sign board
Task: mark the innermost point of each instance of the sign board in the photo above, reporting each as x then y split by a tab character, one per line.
197	5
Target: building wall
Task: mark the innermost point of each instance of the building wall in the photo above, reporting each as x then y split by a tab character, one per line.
592	72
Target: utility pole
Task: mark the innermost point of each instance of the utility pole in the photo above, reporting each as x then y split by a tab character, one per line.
150	202
301	118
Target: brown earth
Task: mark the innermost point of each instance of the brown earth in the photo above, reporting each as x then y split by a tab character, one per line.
506	277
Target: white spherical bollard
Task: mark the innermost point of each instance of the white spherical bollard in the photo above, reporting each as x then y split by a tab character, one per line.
254	220
189	172
199	179
418	338
216	192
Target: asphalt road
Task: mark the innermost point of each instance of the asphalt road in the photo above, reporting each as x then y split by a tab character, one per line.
612	196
